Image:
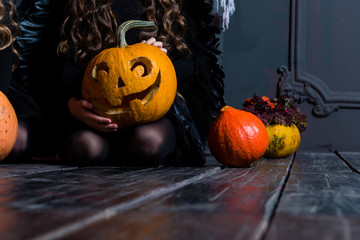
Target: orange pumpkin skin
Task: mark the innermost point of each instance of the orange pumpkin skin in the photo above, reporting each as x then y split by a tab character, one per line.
130	85
8	126
237	138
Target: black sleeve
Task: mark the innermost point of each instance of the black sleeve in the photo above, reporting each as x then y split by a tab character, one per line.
204	90
6	55
200	83
6	60
71	79
183	67
38	72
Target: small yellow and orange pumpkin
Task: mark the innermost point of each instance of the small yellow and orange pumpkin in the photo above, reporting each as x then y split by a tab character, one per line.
284	122
283	140
130	84
237	138
8	126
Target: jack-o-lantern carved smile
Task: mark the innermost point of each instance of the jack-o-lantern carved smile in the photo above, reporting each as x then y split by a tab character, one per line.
130	84
143	66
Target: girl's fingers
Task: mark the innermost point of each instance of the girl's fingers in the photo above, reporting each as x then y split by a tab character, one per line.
86	104
100	120
151	41
158	44
164	50
106	128
111	128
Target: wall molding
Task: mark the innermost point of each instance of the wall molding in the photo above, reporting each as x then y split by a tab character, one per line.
301	85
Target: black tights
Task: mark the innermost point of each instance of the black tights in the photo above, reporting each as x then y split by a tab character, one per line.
20	151
147	144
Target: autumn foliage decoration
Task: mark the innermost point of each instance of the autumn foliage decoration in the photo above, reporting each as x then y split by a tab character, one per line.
283	120
276	111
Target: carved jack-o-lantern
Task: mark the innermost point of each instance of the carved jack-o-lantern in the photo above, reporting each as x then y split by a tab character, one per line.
130	84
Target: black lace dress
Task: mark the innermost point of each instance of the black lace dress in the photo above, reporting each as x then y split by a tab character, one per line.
6	58
38	87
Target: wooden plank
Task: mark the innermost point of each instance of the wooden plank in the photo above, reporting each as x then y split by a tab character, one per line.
236	203
310	227
12	170
352	159
321	200
33	205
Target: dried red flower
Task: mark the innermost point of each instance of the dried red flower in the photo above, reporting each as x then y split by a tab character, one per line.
276	111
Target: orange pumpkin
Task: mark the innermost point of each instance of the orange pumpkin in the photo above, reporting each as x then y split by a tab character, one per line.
237	138
130	84
8	126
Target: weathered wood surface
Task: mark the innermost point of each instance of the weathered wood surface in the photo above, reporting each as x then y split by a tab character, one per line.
306	196
35	204
232	204
12	170
351	159
42	201
321	200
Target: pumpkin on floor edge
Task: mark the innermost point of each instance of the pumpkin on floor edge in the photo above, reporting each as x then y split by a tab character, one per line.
130	84
237	138
283	140
8	126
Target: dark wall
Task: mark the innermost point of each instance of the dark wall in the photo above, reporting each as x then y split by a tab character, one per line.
254	47
316	44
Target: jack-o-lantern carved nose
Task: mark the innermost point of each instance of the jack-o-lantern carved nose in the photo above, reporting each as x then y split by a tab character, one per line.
143	62
120	83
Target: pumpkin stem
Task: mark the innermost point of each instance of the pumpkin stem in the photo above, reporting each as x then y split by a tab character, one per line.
125	26
225	108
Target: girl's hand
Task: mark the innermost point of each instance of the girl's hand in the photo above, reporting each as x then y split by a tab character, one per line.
82	110
152	41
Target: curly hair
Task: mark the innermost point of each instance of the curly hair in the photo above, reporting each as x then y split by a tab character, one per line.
90	27
9	28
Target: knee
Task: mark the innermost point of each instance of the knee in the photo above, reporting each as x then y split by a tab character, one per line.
85	147
148	147
146	143
21	147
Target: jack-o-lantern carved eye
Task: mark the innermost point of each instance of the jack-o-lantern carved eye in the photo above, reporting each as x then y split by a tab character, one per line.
100	67
105	68
143	62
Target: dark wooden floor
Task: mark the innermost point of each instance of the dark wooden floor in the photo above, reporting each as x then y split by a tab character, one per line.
305	196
